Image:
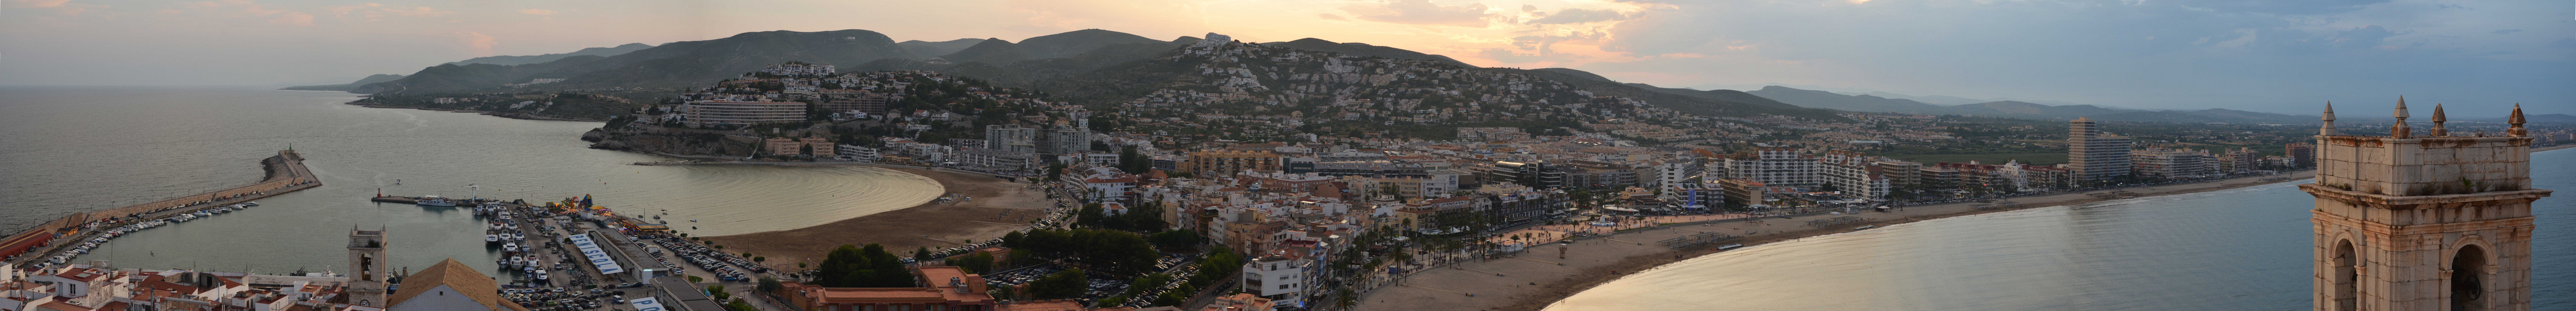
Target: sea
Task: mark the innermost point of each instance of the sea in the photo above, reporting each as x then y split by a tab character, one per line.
2237	249
78	149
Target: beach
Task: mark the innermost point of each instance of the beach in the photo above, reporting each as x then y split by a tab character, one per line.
997	206
1546	273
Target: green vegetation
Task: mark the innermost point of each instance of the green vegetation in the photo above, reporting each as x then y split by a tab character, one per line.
871	266
1065	284
1110	251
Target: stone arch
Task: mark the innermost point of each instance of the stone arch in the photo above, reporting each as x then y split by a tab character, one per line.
2466	264
2344	257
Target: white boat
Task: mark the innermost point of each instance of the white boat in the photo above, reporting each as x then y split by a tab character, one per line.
432	200
512	247
251	203
491	238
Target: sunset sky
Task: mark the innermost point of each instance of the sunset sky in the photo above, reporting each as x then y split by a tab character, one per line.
2274	56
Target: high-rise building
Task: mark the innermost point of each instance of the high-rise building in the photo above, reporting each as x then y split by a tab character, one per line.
1776	167
2095	156
1011	138
700	113
1850	172
2423	223
1067	139
2172	163
2303	154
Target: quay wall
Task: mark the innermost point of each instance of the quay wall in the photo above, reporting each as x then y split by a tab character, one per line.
285	173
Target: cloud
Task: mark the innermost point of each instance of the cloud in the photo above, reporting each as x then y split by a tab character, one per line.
1421	12
293	18
479	43
42	3
2283	7
537	12
1577	16
2507	31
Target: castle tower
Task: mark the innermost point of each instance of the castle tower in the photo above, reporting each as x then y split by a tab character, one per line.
2435	222
367	268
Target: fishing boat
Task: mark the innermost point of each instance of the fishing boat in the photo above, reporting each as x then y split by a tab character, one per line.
489	239
432	200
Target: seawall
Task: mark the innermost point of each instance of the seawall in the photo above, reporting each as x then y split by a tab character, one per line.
285	173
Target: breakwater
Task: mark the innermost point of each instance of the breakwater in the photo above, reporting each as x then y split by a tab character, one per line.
285	173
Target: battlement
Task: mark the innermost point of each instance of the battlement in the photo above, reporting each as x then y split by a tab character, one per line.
2423	166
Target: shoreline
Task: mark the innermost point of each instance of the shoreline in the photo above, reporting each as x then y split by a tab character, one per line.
997	206
1539	279
519	116
1592	261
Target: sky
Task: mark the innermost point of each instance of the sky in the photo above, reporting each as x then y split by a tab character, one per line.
2287	56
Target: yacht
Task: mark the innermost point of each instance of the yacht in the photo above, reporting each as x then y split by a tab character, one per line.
432	200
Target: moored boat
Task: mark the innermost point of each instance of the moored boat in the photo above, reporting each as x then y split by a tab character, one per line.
432	200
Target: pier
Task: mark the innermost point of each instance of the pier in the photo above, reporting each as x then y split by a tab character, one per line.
286	173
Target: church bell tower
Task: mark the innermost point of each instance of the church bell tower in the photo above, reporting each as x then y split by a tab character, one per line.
2436	222
367	268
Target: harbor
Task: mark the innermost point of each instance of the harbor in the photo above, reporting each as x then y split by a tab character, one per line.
56	242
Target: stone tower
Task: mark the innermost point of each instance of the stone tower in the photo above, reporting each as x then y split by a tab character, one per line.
367	267
2437	222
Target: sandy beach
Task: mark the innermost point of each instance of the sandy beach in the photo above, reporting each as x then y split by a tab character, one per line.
998	206
1550	272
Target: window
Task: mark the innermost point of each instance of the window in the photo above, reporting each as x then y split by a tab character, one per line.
1283	286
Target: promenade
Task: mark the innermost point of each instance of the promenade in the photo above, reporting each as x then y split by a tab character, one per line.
285	173
1544	273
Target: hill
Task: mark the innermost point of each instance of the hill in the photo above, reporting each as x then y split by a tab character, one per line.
1366	50
346	87
675	64
1831	100
1078	42
927	48
990	51
532	59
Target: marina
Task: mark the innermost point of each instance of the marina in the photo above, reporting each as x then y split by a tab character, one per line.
87	231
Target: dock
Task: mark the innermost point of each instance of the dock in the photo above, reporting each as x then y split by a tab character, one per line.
396	199
286	173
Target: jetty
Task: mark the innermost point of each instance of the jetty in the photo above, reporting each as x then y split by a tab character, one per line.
286	173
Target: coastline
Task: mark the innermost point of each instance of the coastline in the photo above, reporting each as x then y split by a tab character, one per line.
998	206
1539	279
520	116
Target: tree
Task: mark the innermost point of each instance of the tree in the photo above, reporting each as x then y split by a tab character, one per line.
978	262
871	266
1176	240
1065	284
921	254
769	284
718	291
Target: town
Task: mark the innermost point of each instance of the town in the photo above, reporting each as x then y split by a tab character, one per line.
1273	179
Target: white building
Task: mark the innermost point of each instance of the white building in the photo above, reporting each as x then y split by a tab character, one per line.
702	113
1282	280
1776	167
859	153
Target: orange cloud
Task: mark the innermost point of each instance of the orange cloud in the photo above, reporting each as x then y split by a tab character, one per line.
43	3
537	12
479	43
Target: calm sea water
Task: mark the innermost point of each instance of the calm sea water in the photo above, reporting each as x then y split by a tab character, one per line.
2240	249
75	149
